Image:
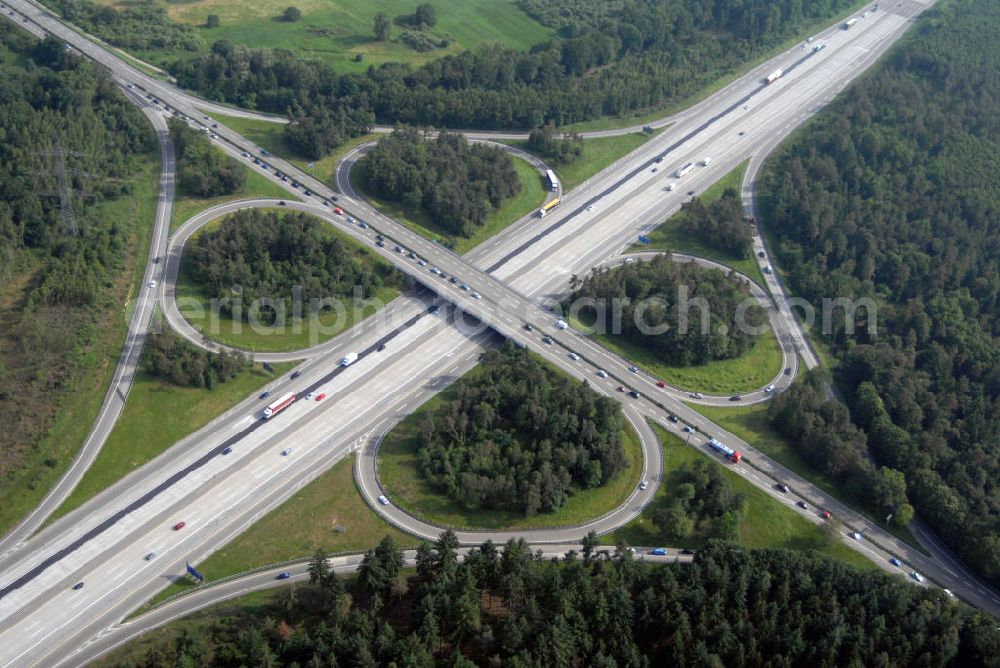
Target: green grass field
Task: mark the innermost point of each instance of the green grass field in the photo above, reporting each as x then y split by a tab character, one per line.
768	522
532	195
77	408
337	31
598	153
755	369
256	185
294	334
158	414
327	513
750	424
408	489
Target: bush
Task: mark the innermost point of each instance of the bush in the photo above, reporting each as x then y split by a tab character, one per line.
292	14
212	21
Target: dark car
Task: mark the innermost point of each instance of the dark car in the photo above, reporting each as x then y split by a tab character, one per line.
690	192
265	395
760	253
788	371
735	397
78	586
228	449
781	488
687	551
547	339
802	505
673	418
381	347
296	374
283	576
633	394
215	125
527	326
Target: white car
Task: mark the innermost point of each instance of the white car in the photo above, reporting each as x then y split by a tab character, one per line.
561	324
769	389
707	161
476	295
916	576
857	536
601	373
574	356
670	187
152	284
384	501
286	452
310	396
643	485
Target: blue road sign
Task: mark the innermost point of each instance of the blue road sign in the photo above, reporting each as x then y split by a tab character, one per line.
194	572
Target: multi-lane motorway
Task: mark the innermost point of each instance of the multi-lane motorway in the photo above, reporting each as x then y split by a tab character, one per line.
218	494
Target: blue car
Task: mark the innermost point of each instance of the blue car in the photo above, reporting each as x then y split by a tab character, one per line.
265	395
659	552
895	562
283	576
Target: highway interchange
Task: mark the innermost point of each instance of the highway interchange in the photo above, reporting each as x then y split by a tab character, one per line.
517	273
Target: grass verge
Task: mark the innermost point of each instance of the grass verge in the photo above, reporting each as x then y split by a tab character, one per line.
531	196
768	522
670	235
753	370
174	411
598	153
408	489
750	424
271	136
76	408
294	334
328	513
187	205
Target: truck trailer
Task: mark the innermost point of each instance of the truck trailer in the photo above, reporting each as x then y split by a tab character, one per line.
348	359
849	23
685	169
279	405
725	450
774	76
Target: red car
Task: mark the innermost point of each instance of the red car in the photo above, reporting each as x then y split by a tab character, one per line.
179	526
660	383
826	515
320	397
337	210
621	388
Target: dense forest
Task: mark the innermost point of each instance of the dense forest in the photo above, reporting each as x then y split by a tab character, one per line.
720	224
136	25
892	194
611	60
257	254
202	169
547	143
517	436
820	429
510	607
654	293
702	498
455	182
65	277
170	357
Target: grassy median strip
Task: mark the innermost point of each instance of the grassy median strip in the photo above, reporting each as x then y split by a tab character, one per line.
158	414
750	424
328	513
768	522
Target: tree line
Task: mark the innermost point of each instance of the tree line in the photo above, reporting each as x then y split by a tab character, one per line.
731	606
143	26
635	56
65	276
455	182
516	436
653	294
173	359
720	224
203	169
891	195
545	141
281	257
